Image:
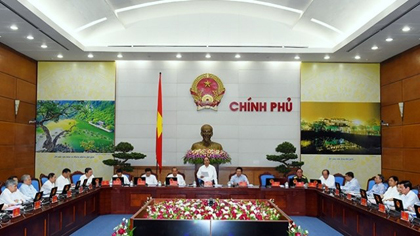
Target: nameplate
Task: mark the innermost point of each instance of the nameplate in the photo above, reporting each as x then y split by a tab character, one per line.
275	184
37	205
80	190
173	182
90	187
208	184
300	184
105	183
363	202
404	216
337	192
54	199
381	208
68	194
141	182
116	182
320	186
16	212
348	196
312	185
243	184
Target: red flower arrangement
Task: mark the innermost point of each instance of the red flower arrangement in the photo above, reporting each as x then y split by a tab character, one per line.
123	228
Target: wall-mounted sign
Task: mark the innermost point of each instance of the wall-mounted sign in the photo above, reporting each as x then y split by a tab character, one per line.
207	91
250	106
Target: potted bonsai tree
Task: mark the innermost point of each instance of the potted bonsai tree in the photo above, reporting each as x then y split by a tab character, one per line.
287	153
123	153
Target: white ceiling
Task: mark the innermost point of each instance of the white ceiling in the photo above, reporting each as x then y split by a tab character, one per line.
256	29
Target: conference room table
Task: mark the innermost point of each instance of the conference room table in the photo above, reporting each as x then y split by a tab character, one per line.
346	216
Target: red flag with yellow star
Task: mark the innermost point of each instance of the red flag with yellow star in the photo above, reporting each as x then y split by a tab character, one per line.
159	126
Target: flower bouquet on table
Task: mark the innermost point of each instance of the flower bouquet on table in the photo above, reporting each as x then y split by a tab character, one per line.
215	156
296	230
214	209
123	229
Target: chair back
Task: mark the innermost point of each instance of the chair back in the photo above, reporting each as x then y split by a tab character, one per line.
43	178
75	176
339	178
291	176
386	186
129	176
19	184
35	183
3	188
263	178
416	191
370	183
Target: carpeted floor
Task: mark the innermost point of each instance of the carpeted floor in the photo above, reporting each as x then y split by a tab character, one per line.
104	226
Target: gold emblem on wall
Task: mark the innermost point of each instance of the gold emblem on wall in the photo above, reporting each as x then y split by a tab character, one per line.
207	91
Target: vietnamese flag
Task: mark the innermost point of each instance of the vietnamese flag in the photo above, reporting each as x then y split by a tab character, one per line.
159	125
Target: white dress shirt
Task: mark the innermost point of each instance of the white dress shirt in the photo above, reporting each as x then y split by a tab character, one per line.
126	181
329	182
8	197
60	182
391	193
28	190
180	179
46	187
352	186
409	199
89	180
211	173
236	180
151	180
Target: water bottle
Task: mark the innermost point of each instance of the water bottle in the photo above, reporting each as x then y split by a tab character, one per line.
286	185
159	184
194	184
229	184
110	183
131	183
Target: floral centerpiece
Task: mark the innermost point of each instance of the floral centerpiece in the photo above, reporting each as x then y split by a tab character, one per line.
295	230
197	156
123	229
218	209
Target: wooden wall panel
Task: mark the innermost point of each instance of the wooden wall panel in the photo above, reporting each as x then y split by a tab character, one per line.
17	137
391	93
7	109
400	82
391	114
7	86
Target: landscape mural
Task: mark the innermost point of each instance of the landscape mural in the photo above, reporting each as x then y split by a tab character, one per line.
340	128
75	126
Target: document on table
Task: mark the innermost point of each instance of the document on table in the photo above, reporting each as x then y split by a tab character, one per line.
205	174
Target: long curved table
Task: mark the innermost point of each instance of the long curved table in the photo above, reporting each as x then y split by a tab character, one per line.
345	216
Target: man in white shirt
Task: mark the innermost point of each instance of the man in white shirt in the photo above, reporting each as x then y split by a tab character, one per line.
352	184
11	195
150	179
378	187
180	178
327	180
119	173
88	175
49	184
63	180
392	192
207	172
408	197
27	188
238	177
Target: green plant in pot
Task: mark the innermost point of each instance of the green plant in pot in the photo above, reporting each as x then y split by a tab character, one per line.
122	154
287	154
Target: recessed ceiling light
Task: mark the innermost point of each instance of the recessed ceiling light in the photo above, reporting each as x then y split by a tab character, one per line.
44	46
119	55
327	57
90	55
30	37
208	55
389	39
60	56
297	57
374	47
357	57
406	29
237	56
178	55
14	27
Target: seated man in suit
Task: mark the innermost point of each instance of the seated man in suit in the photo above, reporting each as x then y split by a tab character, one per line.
88	175
63	179
49	184
238	177
150	179
27	188
352	184
379	187
299	178
11	195
408	197
119	173
180	178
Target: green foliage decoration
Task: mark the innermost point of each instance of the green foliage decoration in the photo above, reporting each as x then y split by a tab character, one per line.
288	153
123	153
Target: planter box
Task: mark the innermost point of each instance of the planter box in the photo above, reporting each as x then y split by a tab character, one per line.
163	227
